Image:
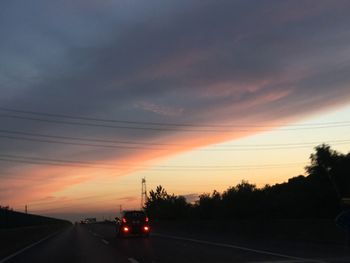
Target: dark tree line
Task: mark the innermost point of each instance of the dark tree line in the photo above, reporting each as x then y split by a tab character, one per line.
316	195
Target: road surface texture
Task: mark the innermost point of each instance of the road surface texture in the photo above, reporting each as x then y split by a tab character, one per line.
97	243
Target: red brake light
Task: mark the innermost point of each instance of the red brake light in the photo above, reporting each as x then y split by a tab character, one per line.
147	219
123	220
146	228
125	229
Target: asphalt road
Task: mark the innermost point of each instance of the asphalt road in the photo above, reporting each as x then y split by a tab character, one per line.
97	243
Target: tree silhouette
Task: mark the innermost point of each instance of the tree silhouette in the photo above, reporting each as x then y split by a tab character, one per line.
162	205
316	195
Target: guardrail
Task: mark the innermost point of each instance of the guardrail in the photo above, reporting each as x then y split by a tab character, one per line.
12	219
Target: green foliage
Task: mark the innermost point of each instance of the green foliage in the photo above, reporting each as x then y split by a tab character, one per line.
316	195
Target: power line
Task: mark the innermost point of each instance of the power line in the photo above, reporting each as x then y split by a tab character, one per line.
61	162
162	149
83	139
262	148
66	116
86	124
323	126
41	163
152	169
77	143
98	140
54	160
214	148
90	124
173	168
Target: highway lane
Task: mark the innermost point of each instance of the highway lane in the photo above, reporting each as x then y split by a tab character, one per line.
166	248
97	243
74	244
206	247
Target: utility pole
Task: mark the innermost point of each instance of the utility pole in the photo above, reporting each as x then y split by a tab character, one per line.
143	192
26	209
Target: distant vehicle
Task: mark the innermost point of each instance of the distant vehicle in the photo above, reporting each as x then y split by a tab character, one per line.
90	220
133	222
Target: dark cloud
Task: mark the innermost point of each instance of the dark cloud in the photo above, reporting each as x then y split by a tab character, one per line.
194	61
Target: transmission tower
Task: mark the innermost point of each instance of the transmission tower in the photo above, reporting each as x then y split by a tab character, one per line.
143	193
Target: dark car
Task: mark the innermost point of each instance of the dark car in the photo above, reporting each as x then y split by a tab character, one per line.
133	223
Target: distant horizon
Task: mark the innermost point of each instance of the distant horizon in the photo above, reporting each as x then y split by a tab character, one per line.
191	198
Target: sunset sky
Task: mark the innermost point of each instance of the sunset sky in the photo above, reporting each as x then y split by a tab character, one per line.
191	95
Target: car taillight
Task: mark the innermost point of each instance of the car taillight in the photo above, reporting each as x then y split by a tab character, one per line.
146	219
125	229
146	228
123	220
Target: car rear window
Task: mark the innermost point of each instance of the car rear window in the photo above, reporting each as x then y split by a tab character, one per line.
135	215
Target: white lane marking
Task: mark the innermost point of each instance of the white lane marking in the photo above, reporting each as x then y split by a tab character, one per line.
95	234
28	247
239	247
105	241
132	260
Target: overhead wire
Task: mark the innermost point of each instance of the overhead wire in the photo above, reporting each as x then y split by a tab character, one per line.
66	116
62	162
222	130
78	143
66	140
84	139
